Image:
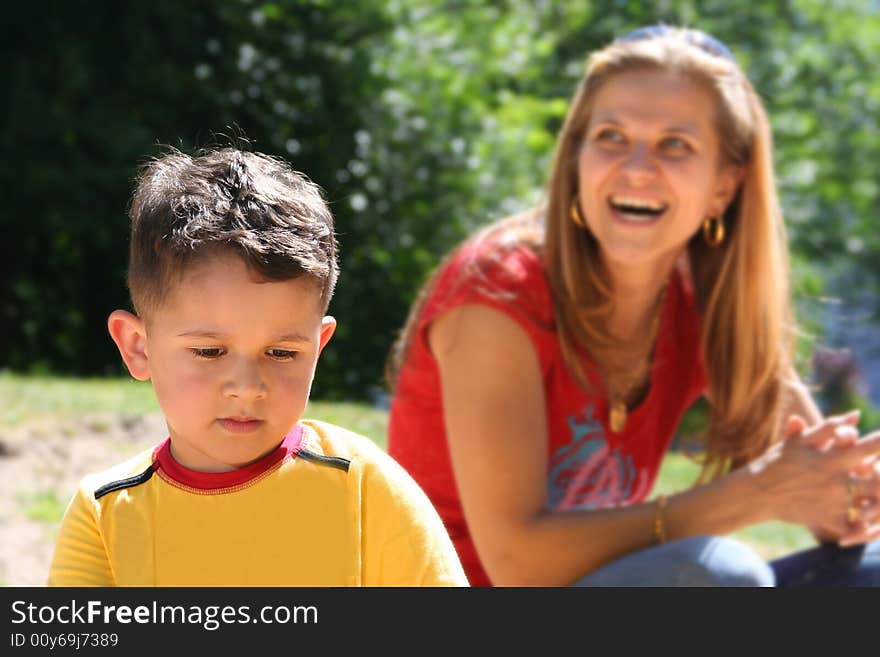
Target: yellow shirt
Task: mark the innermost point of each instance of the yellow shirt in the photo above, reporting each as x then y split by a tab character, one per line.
327	508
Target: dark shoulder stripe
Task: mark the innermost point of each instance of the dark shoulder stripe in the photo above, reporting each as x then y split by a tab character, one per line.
128	482
332	461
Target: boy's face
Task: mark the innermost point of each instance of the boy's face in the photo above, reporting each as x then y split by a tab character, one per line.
231	359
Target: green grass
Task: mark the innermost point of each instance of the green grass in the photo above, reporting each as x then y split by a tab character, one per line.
360	418
42	506
24	398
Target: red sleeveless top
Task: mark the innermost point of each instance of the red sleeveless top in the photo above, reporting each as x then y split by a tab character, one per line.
589	466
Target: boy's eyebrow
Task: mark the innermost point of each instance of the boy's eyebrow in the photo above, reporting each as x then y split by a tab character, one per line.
285	337
293	337
199	334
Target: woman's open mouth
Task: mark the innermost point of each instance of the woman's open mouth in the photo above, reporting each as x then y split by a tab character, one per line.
640	211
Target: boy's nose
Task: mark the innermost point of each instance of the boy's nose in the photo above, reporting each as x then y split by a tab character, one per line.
245	382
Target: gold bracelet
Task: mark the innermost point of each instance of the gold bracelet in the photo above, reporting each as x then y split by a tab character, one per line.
659	523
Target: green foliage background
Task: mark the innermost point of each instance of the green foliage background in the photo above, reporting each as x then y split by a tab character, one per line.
420	118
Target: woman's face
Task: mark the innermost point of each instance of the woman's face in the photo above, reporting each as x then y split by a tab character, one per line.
649	169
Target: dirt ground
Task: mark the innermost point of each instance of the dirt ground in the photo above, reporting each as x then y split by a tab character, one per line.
40	466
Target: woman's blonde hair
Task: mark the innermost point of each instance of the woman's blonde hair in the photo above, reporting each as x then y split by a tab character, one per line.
741	286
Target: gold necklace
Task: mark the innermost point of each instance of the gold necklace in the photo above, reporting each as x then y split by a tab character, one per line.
618	394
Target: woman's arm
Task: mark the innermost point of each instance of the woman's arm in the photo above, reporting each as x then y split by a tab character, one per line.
494	411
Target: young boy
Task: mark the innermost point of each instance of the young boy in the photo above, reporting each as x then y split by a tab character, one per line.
232	266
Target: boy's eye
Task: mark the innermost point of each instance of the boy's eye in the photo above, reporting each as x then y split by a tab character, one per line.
282	354
209	353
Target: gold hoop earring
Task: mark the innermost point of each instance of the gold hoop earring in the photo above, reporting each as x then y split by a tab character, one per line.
713	230
575	214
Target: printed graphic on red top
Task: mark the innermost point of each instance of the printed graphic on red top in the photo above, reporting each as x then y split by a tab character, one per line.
589	474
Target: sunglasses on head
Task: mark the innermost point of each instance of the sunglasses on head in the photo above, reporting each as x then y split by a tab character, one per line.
700	39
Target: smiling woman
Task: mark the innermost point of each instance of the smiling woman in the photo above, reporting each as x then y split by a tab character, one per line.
649	172
651	151
545	367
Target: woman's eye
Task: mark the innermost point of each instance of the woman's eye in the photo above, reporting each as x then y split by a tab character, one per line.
209	353
675	144
609	136
282	354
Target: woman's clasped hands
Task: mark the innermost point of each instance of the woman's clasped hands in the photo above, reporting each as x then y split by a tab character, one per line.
826	477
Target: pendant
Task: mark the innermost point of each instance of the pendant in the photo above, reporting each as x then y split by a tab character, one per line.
617	416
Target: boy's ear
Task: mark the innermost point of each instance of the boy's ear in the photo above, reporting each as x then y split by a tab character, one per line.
328	326
129	333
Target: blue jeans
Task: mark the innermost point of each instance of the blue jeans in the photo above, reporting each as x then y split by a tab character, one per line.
720	561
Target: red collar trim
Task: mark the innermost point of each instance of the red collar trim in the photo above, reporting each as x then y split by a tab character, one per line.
163	460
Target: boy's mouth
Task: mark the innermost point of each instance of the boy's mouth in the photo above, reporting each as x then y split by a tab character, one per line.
240	424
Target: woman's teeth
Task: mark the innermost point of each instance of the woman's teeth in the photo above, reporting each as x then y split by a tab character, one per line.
637	209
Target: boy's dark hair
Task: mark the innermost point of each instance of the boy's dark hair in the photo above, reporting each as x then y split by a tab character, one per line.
185	208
